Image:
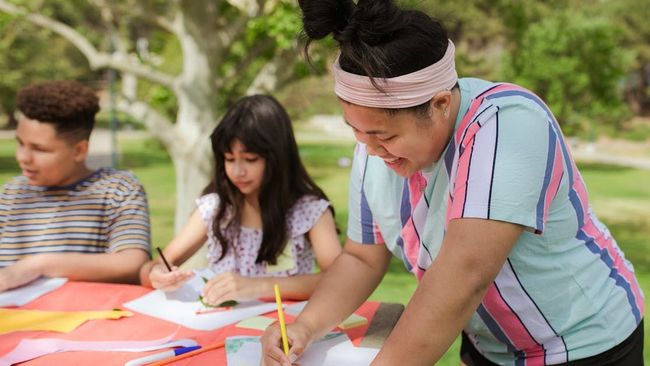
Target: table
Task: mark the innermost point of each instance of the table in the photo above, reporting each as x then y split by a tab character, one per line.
82	296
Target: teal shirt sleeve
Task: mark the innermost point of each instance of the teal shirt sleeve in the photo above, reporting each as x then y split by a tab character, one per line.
502	170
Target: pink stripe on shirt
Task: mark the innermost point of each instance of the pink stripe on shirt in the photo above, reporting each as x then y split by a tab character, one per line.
512	327
606	242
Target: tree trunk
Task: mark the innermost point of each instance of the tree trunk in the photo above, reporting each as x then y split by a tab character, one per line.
195	94
205	36
190	181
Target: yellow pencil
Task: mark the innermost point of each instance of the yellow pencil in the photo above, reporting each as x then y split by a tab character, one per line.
283	327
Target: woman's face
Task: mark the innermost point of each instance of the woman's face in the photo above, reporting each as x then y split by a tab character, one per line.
244	169
405	141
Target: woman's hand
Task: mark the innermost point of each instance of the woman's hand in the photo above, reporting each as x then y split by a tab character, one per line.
231	286
299	337
167	281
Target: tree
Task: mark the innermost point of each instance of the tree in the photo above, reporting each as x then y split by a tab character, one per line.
574	64
29	56
225	49
632	17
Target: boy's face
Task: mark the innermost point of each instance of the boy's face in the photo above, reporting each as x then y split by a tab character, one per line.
47	159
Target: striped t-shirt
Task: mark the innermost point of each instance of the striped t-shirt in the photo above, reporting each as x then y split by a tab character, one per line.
566	291
103	213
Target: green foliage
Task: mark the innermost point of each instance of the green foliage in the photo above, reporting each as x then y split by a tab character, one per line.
570	52
632	18
575	65
30	55
282	24
475	40
160	98
265	38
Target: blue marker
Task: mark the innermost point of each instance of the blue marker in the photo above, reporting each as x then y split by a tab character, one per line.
160	356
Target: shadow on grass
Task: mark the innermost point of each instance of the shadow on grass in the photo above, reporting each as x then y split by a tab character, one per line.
8	164
600	167
143	159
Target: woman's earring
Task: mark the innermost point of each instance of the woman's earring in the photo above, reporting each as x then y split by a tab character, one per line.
445	113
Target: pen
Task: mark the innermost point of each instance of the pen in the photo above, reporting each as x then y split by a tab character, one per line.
160	356
283	327
190	354
164	259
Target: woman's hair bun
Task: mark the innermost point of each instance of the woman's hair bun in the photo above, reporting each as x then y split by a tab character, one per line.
376	20
376	37
322	17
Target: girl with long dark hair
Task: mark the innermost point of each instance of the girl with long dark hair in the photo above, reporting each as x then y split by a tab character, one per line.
265	220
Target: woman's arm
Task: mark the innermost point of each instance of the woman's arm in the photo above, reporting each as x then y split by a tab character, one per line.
472	254
187	242
344	287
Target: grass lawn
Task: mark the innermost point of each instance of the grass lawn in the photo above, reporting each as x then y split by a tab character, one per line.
620	197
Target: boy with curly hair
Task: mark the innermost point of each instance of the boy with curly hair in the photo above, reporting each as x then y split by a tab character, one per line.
60	218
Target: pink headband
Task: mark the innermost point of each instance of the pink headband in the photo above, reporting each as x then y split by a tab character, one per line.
402	91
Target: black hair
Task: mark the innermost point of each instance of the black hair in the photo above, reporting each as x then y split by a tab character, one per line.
262	125
68	105
376	38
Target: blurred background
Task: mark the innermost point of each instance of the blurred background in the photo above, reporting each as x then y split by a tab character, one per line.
167	70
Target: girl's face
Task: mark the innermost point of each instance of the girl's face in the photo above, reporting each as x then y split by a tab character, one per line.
244	169
407	143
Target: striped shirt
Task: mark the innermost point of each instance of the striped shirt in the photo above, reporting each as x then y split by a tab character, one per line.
103	213
566	291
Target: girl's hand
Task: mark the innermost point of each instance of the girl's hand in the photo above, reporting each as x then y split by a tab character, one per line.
167	281
230	286
299	337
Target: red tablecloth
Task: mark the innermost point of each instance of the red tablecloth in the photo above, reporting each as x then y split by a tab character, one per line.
79	296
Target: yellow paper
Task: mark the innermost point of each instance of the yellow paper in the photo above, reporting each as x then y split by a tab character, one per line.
285	261
57	321
256	322
352	321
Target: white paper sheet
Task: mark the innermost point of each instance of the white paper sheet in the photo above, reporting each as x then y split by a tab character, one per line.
29	292
29	349
334	349
295	309
181	305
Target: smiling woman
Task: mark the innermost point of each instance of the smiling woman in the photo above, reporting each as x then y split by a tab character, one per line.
406	142
472	185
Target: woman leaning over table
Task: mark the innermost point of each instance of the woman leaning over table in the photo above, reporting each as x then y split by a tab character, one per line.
472	185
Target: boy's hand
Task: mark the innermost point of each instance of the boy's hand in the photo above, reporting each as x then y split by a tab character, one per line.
24	271
167	281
